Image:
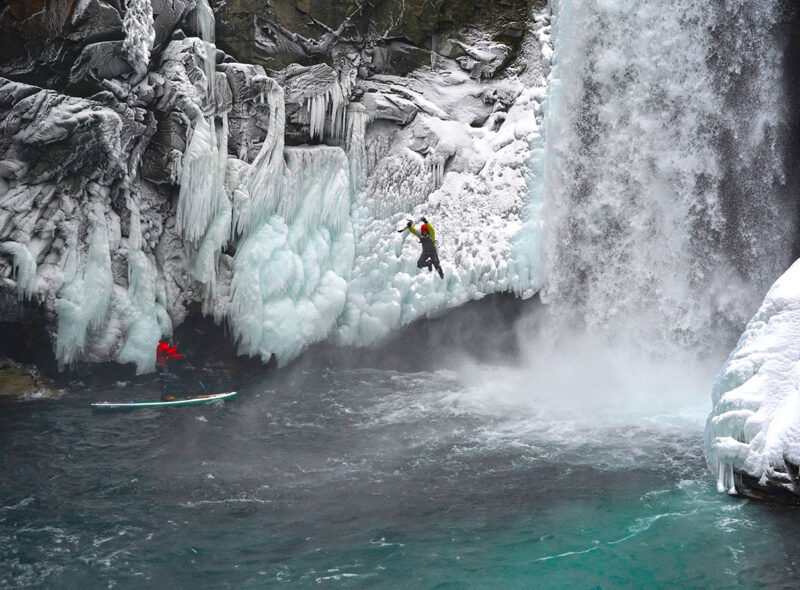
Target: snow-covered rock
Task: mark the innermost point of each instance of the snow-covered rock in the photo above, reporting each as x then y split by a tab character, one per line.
753	433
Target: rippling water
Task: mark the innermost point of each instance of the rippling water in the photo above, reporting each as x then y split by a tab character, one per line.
375	479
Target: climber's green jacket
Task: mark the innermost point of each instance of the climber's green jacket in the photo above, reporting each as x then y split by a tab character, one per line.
428	242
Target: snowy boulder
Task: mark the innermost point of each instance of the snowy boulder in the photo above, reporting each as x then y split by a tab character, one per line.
752	436
381	103
484	59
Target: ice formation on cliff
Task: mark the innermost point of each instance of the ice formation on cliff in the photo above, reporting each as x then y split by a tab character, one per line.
754	427
287	245
139	33
292	270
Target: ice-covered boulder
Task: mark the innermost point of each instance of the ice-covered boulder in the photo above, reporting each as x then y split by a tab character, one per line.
97	62
248	119
167	14
752	436
482	59
93	19
56	136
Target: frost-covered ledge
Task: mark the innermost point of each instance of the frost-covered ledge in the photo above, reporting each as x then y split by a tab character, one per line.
752	436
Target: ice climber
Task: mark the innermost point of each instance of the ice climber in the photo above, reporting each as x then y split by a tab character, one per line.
164	352
429	256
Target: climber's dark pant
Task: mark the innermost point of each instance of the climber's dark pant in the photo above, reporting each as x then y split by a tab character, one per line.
166	379
430	258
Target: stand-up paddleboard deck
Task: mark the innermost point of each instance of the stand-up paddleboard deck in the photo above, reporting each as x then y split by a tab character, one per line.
187	401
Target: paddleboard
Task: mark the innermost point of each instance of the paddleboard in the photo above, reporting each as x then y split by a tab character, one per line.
186	401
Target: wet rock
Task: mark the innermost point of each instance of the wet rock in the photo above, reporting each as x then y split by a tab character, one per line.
17	380
306	31
162	158
399	58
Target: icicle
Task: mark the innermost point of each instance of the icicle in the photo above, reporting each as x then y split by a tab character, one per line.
202	181
139	34
266	182
142	327
436	167
205	18
357	120
135	230
83	301
23	266
434	48
317	107
142	315
218	230
328	106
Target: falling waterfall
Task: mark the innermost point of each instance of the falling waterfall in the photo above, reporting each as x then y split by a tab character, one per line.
665	194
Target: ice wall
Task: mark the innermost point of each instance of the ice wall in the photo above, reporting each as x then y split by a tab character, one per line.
755	425
478	188
658	114
292	269
83	301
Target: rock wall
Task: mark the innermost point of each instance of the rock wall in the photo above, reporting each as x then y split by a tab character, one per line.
157	156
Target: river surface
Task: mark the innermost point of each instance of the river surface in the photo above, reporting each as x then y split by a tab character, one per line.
367	478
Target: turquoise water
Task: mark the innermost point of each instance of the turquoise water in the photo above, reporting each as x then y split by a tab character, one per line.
374	479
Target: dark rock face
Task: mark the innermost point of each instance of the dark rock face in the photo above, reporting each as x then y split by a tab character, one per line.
40	39
306	30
